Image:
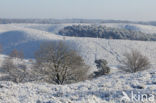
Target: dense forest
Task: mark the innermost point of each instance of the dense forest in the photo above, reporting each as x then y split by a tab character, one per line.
105	32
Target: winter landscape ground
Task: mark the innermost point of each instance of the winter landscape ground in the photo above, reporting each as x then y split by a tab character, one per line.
105	89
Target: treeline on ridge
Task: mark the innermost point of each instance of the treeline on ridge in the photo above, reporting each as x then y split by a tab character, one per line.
59	21
105	32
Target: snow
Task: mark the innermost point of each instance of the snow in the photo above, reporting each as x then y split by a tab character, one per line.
26	39
105	89
54	28
109	88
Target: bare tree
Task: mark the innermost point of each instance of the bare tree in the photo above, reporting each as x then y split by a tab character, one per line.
1	48
16	72
16	54
135	61
60	64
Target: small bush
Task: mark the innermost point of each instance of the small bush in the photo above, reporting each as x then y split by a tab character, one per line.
135	61
15	72
102	66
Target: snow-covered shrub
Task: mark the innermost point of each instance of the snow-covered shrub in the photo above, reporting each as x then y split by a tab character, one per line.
103	69
15	72
60	64
135	61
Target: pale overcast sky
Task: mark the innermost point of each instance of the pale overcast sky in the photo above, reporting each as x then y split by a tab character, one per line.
136	10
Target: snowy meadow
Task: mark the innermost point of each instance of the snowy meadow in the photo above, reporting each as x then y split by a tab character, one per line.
19	43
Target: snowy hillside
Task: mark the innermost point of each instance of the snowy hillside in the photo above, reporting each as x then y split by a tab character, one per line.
54	28
109	88
24	38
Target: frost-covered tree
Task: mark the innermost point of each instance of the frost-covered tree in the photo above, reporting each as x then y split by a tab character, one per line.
135	61
105	32
16	54
60	64
15	72
103	69
1	49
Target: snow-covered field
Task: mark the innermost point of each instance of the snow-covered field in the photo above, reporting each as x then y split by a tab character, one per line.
27	37
105	89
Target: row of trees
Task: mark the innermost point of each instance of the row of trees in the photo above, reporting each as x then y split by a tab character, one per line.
57	63
60	21
105	32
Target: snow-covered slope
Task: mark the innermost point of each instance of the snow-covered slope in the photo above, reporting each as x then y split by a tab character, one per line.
27	39
54	28
101	90
24	39
105	89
